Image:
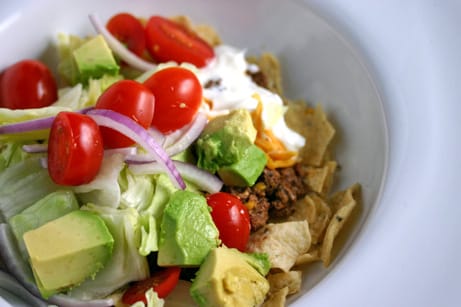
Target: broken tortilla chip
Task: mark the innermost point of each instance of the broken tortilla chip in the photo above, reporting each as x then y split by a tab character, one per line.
343	203
312	255
282	242
205	32
277	299
320	179
315	127
291	280
317	213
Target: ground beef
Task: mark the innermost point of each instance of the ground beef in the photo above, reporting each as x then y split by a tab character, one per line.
273	195
258	77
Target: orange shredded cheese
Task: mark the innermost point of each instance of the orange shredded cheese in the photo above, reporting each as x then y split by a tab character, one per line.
277	154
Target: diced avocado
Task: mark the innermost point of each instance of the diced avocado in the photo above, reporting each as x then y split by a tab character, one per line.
259	261
187	231
246	171
49	208
224	140
226	279
68	250
94	59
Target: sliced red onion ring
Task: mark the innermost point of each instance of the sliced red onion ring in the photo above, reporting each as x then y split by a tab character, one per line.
139	159
30	125
35	148
190	135
126	55
33	124
126	151
137	133
203	179
158	136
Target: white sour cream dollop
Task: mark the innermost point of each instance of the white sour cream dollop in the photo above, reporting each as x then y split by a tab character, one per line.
234	89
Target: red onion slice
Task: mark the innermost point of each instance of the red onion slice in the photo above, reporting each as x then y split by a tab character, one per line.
137	133
190	135
35	148
33	124
203	179
30	125
126	55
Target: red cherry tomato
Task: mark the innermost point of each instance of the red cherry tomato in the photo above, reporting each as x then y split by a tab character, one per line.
168	41
129	98
27	84
128	30
163	282
75	149
231	218
178	95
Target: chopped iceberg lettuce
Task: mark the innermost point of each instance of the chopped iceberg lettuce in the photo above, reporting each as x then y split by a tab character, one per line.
152	300
126	264
67	68
136	190
103	190
11	153
22	185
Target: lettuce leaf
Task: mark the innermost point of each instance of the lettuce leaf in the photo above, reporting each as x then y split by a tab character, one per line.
10	154
152	300
104	189
126	264
22	185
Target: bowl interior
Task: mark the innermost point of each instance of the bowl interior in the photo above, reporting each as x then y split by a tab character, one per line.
318	65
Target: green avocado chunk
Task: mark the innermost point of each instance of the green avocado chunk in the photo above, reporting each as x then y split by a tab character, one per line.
245	171
187	230
224	140
49	208
68	250
226	278
94	59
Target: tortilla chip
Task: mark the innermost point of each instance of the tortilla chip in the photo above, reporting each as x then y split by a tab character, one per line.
291	280
282	242
270	68
205	32
309	257
317	130
277	299
320	179
317	213
343	203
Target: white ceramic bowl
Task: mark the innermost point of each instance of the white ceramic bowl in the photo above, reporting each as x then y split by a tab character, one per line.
318	65
344	56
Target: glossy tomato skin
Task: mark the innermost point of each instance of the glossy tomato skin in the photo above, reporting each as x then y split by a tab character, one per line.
162	281
128	30
129	98
27	84
178	95
168	41
231	218
75	149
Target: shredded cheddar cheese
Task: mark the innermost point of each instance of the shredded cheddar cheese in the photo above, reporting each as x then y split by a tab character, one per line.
277	155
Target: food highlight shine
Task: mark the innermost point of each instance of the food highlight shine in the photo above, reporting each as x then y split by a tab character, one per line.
166	168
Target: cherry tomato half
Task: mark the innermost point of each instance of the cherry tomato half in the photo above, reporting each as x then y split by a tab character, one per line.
27	84
129	98
231	218
168	41
178	95
75	149
163	282
128	30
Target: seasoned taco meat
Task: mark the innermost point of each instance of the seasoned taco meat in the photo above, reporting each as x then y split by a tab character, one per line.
274	194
